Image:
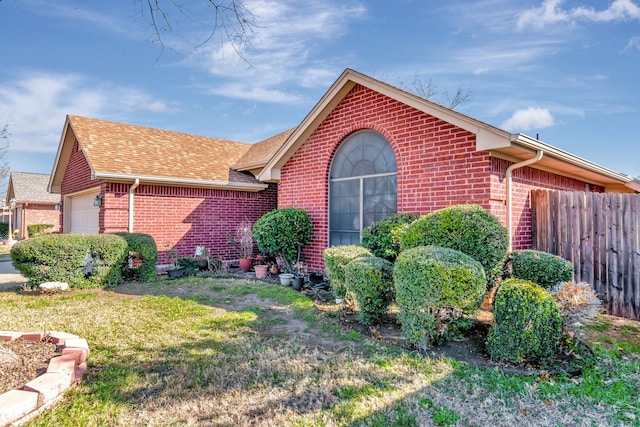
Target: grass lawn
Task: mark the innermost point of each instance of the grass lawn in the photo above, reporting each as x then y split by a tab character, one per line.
226	352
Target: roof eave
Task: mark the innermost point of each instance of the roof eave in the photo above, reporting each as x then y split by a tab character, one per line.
172	181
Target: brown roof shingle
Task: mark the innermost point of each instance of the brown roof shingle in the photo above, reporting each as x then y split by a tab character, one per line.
123	149
260	152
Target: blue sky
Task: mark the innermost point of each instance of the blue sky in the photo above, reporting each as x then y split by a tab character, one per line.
566	70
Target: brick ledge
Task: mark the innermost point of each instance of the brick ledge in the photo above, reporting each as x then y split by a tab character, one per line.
19	406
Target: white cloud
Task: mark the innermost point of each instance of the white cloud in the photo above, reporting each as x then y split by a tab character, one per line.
527	119
551	12
35	105
283	51
632	45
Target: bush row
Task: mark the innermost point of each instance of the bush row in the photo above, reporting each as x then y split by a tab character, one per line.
443	263
85	261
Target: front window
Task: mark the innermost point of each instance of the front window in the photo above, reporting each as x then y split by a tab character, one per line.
362	186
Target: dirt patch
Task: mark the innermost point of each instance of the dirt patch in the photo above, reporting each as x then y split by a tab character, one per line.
21	361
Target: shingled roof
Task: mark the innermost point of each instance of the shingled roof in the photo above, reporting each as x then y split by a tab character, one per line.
28	187
119	151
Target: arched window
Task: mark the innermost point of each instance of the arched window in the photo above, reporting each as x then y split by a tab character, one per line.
362	186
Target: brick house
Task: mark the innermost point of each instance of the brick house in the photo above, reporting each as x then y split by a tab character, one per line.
33	203
184	190
366	150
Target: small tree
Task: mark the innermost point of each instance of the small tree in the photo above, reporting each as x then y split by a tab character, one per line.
282	233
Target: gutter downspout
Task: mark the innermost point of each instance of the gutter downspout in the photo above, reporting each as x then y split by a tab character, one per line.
509	176
133	187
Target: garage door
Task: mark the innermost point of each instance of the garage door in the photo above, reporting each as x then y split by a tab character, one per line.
84	216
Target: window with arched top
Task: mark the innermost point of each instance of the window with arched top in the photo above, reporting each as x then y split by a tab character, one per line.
362	186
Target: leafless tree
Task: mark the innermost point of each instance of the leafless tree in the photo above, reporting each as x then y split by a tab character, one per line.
431	91
4	148
231	17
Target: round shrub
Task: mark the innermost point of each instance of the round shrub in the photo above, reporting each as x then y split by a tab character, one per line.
382	237
528	325
542	268
435	289
371	281
282	233
83	261
466	228
140	263
335	263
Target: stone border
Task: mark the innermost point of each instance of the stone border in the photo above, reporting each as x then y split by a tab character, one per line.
20	405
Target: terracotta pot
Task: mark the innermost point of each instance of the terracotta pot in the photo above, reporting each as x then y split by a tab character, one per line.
245	264
274	269
261	271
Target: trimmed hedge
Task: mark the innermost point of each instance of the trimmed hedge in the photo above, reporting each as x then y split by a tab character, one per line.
528	324
282	233
142	257
382	238
435	289
83	261
543	268
36	229
371	281
466	228
335	263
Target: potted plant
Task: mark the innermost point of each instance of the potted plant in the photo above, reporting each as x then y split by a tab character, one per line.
299	273
261	270
243	241
282	233
174	270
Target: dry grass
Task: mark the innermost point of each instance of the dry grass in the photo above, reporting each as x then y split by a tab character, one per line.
235	353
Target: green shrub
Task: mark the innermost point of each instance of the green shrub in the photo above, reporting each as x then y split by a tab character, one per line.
335	263
36	229
4	230
140	263
466	228
436	290
83	261
371	281
382	238
542	268
528	325
282	233
189	264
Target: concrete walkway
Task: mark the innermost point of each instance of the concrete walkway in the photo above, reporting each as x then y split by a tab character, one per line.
9	276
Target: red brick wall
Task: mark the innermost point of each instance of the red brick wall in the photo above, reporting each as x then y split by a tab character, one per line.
77	177
523	181
185	217
40	214
176	217
437	162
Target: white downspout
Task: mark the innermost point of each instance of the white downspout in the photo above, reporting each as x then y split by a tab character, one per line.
509	176
133	187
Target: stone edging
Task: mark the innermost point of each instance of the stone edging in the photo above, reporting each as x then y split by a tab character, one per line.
20	405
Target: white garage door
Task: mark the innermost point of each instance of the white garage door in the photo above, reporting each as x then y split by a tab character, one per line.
84	216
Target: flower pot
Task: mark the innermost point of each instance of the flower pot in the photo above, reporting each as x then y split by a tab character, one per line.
175	273
285	279
316	278
297	282
245	264
274	269
261	271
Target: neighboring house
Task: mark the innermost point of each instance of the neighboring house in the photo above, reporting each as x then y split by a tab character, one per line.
33	203
366	150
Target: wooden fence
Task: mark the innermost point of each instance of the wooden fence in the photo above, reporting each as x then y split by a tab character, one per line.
599	234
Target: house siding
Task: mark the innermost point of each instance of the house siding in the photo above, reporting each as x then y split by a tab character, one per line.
183	218
437	162
438	166
523	181
35	213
